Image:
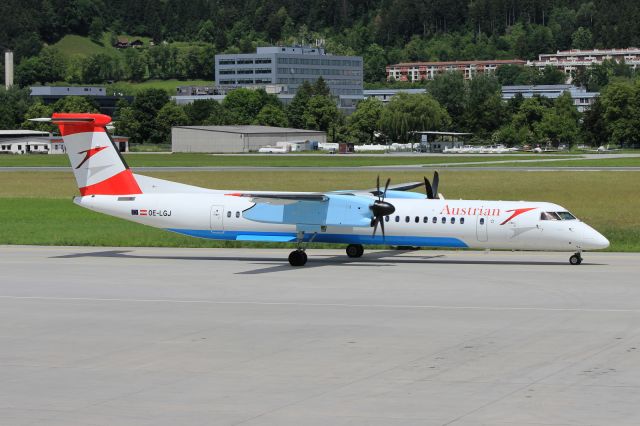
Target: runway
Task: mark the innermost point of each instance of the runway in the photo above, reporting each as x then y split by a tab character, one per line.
162	336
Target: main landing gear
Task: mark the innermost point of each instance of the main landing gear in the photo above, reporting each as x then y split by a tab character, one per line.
298	257
576	259
355	250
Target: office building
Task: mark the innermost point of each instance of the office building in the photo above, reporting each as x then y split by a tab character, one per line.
289	67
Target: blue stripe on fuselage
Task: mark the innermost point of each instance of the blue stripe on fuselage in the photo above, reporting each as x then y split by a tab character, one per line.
393	240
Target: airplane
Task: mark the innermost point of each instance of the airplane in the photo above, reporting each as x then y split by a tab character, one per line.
352	217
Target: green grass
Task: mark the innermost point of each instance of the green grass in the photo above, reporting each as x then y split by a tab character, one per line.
203	160
168	86
36	207
75	45
590	162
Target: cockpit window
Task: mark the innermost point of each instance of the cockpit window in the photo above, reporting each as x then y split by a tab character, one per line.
566	216
557	216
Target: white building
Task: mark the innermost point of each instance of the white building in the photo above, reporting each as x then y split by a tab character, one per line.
237	139
581	98
29	142
569	61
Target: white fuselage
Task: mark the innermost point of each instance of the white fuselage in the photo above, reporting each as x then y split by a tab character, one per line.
517	225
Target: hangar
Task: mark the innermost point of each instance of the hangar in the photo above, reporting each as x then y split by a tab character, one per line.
230	139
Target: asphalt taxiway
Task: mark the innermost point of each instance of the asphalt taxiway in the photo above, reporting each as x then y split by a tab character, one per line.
142	336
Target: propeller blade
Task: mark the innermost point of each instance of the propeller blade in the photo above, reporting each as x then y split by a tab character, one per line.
428	188
375	226
378	186
436	180
382	228
386	186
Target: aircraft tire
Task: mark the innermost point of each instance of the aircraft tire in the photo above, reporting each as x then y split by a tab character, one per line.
297	258
355	250
576	259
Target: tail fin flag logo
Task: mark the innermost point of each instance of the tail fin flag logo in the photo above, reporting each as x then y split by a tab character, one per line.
90	153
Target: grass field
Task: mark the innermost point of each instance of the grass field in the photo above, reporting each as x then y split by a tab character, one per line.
589	162
36	207
203	160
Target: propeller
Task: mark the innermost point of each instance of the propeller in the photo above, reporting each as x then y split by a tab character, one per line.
432	191
381	208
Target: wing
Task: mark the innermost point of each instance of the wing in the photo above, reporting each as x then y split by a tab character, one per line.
309	209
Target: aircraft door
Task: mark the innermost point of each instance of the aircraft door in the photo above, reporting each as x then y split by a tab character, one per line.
482	232
217	214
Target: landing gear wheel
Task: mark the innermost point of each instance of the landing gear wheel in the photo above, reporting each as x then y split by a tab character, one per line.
297	258
355	250
576	259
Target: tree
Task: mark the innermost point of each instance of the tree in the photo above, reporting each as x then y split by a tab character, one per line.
169	115
75	104
582	39
374	63
485	111
139	120
271	115
295	110
243	105
406	113
38	110
449	90
363	123
201	109
559	125
14	103
621	107
135	65
321	113
320	87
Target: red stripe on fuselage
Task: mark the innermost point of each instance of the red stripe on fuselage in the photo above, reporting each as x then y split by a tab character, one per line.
121	184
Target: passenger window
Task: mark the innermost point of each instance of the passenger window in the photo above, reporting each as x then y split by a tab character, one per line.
386	218
229	213
444	220
417	219
407	219
453	220
397	218
426	220
434	220
462	221
237	214
482	221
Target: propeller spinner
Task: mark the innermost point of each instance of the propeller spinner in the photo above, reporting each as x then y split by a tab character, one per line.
381	208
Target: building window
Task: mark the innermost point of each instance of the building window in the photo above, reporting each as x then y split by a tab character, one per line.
227	62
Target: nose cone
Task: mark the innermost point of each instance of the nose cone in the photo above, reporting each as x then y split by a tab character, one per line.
593	240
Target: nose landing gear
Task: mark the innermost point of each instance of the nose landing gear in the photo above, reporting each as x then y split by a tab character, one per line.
576	259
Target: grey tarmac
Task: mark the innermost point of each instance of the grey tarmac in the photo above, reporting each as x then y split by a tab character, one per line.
164	336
